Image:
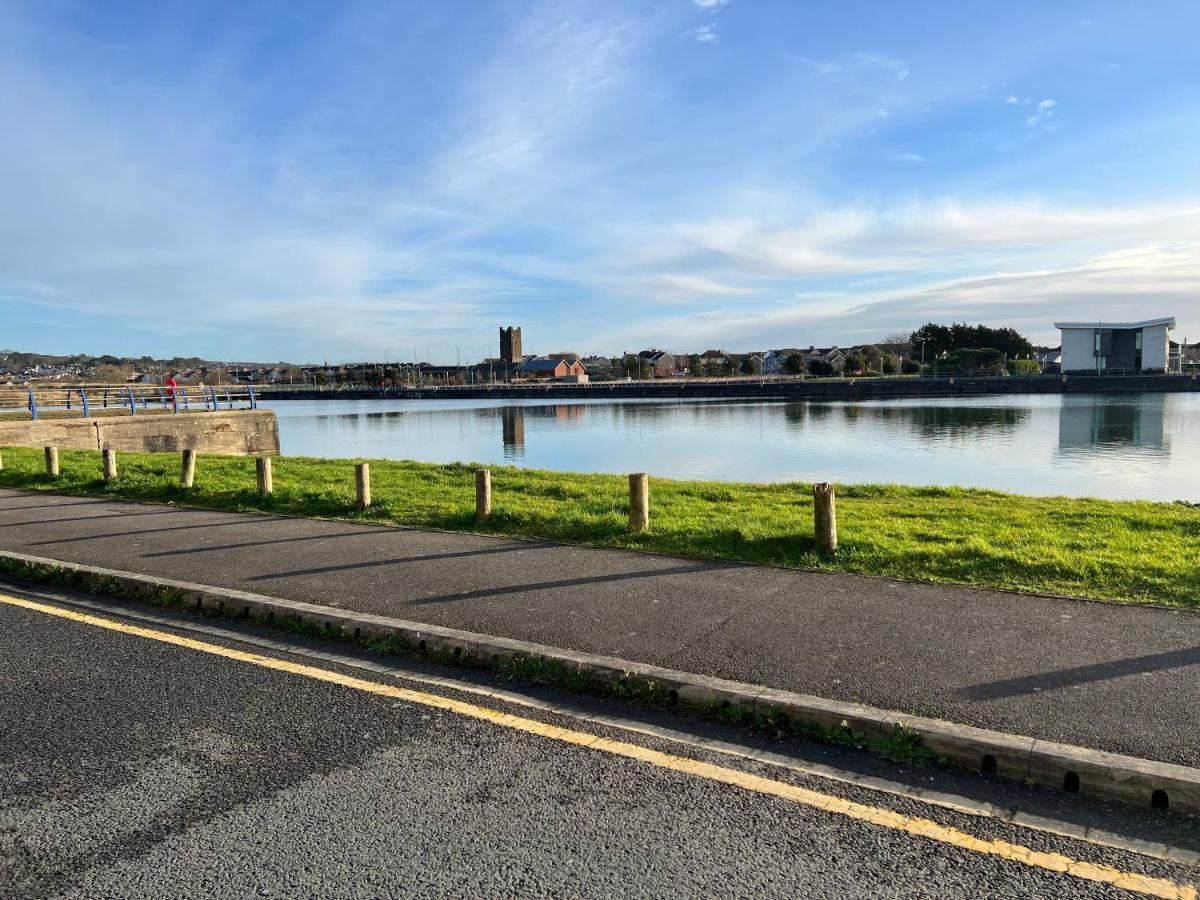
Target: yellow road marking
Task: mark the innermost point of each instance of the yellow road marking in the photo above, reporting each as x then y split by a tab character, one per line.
884	818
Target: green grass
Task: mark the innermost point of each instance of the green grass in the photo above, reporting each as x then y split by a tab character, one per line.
1111	550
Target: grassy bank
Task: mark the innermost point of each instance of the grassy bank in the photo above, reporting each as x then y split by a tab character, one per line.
1128	551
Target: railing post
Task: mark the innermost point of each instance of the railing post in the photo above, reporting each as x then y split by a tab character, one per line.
132	402
187	469
262	468
52	462
825	517
253	399
68	398
109	456
362	484
175	400
483	495
639	501
83	398
33	410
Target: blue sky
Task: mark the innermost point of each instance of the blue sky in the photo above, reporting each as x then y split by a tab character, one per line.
333	181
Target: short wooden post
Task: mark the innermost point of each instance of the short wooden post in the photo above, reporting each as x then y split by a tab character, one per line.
1	461
52	462
825	517
639	501
187	471
262	468
483	495
109	455
362	484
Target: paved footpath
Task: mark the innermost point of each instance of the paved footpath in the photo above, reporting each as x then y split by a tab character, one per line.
1110	677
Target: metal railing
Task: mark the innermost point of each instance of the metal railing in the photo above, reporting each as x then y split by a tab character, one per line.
103	399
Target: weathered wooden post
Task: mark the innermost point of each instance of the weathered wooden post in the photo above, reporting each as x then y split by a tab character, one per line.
262	468
1	461
362	484
639	501
187	471
483	495
52	462
109	455
825	517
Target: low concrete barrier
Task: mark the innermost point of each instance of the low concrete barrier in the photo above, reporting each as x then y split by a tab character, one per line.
226	433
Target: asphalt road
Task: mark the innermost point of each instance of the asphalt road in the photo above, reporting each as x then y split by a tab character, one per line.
1105	676
134	768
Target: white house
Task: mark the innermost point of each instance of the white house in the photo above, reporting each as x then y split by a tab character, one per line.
1116	346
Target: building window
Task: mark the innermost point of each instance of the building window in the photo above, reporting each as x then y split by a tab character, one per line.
1137	338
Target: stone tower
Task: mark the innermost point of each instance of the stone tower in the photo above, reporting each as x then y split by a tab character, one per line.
510	345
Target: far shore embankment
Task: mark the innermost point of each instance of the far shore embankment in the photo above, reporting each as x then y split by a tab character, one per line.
755	388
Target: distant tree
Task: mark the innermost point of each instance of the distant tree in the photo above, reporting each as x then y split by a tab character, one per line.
747	366
794	364
819	368
910	367
638	367
890	364
942	339
855	365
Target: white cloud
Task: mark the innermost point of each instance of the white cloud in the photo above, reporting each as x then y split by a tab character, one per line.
906	157
705	34
1044	110
1011	99
709	4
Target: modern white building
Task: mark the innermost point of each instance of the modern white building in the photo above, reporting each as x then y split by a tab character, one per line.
1116	346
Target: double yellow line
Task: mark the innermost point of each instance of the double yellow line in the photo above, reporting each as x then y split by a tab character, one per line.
883	818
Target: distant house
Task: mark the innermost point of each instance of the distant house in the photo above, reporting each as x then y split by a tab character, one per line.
832	355
773	361
596	366
661	362
555	367
1116	346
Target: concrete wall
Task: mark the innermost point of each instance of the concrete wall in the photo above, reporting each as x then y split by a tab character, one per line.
1155	348
233	433
1079	349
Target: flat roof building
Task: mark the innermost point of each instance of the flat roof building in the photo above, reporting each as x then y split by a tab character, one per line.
1116	346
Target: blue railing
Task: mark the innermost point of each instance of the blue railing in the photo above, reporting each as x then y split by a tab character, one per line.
91	400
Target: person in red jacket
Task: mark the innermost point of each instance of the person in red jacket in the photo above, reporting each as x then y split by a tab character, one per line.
172	384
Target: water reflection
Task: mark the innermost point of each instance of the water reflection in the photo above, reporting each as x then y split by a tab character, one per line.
1113	425
1134	446
512	429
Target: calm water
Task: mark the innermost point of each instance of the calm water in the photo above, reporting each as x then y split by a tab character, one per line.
1140	446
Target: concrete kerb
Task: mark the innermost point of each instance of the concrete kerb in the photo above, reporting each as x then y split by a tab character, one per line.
1109	775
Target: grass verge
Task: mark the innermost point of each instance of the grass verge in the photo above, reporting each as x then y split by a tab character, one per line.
1109	550
901	745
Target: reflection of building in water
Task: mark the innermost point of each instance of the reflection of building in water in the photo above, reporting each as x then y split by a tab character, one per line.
1126	423
512	426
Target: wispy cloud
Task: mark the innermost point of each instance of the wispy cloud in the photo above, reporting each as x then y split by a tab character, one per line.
709	4
1042	112
906	157
705	34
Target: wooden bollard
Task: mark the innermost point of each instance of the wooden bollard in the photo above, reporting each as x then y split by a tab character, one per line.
483	495
187	470
52	462
639	501
109	455
262	468
362	484
1	461
825	517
